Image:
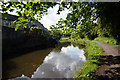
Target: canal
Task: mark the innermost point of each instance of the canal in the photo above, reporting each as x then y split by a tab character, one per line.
60	62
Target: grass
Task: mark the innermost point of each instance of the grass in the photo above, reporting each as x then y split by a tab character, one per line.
106	40
77	41
118	46
93	52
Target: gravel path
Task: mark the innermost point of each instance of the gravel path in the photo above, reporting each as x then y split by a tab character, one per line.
109	67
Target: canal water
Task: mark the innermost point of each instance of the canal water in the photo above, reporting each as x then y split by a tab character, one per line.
61	62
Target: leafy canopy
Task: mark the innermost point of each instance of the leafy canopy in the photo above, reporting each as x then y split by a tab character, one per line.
80	22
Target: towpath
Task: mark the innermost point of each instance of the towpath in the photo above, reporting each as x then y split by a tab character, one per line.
109	67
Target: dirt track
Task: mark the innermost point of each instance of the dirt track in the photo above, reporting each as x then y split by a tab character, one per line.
109	67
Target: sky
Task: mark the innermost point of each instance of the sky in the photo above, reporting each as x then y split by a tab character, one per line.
52	18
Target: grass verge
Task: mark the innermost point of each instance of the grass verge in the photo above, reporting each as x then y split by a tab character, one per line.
106	40
119	47
93	52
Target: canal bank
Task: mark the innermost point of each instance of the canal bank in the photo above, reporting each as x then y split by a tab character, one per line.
102	61
59	62
93	53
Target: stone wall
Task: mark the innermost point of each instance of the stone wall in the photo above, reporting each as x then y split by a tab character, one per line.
15	41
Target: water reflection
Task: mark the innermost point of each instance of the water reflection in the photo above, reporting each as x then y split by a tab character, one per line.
61	64
25	64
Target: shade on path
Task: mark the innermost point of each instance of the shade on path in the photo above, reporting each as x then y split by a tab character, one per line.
109	67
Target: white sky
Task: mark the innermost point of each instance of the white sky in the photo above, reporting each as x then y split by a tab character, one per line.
52	18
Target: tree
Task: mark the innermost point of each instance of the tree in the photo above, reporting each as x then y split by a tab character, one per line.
27	10
81	19
83	15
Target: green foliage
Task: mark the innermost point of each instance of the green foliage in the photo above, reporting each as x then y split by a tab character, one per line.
79	22
33	28
55	34
64	39
118	46
27	10
22	23
87	71
106	40
109	14
93	51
